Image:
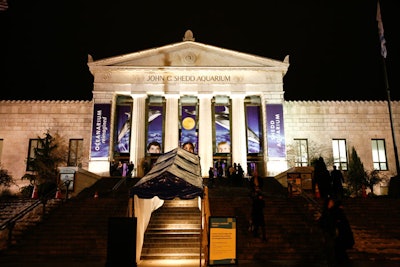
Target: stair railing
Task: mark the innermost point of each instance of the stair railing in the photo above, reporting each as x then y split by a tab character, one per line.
206	213
10	223
314	204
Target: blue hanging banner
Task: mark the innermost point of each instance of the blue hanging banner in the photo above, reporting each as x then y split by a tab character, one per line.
101	131
275	131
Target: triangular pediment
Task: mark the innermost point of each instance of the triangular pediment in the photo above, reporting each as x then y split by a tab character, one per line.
188	54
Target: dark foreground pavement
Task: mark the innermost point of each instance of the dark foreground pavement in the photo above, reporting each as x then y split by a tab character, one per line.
196	263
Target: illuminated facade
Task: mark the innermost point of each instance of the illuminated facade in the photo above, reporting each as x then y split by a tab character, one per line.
219	100
230	105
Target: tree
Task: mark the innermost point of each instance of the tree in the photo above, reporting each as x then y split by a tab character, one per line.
5	181
355	173
48	156
372	178
5	178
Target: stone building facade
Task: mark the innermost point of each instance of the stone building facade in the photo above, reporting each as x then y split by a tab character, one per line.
189	91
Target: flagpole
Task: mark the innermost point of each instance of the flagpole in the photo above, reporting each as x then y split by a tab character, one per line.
384	54
396	155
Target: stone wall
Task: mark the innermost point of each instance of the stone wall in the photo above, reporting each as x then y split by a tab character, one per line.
24	120
317	121
355	121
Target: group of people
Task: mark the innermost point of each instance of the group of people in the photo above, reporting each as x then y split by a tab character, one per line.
120	168
235	174
329	184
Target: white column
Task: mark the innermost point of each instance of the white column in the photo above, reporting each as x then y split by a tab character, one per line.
238	132
171	132
205	134
138	139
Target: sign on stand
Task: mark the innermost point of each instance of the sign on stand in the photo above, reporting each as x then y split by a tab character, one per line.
222	237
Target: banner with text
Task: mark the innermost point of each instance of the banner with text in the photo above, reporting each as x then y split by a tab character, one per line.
101	131
275	131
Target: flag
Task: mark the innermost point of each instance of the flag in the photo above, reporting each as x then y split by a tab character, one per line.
3	5
381	32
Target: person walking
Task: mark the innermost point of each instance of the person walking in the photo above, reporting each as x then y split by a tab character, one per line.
345	238
338	236
327	224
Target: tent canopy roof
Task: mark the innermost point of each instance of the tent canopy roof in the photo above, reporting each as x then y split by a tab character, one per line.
176	173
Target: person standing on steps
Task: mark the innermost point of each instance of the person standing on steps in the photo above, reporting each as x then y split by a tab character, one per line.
131	166
257	216
211	176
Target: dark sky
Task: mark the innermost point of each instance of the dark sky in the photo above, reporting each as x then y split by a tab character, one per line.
333	44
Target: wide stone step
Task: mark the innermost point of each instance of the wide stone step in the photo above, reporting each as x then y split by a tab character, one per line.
171	243
178	210
170	256
179	233
173	231
181	203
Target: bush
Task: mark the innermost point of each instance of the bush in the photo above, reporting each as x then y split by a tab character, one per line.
26	191
5	178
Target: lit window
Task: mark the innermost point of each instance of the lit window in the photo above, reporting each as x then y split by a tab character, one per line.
379	154
339	154
301	150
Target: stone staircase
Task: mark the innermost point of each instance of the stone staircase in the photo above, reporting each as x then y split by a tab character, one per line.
292	233
375	224
174	231
76	232
34	211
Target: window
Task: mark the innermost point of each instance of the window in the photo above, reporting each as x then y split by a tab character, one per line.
33	145
339	154
75	152
379	154
301	152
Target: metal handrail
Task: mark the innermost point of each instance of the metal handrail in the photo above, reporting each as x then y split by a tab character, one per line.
314	203
10	223
21	214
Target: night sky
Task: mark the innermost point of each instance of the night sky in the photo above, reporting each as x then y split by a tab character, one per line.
333	46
